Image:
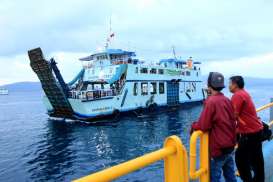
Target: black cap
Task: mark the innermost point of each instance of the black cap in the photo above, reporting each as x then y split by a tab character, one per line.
216	80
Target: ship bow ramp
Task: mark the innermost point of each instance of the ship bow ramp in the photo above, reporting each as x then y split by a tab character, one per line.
52	83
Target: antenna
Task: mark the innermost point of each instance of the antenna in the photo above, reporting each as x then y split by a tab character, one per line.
174	54
110	30
110	24
111	34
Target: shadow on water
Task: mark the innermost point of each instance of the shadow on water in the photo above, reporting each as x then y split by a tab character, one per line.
69	150
52	153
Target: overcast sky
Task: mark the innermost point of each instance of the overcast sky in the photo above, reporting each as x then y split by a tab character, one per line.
231	36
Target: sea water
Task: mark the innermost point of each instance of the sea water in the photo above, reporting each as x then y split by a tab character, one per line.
34	148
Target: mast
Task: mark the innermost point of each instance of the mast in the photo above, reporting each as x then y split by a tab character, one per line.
110	35
174	53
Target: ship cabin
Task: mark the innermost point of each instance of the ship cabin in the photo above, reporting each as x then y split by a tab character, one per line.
104	74
174	63
109	57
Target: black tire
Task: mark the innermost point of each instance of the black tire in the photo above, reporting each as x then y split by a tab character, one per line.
116	114
152	107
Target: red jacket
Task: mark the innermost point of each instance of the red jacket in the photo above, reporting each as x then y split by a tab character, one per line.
245	112
218	119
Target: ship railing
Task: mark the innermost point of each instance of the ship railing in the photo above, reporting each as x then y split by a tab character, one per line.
92	94
175	159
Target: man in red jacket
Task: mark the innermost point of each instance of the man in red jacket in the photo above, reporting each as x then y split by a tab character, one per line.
249	155
218	119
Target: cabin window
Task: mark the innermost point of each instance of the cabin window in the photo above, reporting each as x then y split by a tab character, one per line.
153	88
188	73
135	88
161	88
144	70
144	88
197	74
160	71
136	70
130	60
153	71
183	73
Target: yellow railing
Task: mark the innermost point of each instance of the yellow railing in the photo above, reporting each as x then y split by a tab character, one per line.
175	164
266	107
203	172
175	159
270	124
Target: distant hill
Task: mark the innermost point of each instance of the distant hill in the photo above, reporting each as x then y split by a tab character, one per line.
251	82
24	87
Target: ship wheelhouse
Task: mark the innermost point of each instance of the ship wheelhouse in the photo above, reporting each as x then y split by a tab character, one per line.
104	75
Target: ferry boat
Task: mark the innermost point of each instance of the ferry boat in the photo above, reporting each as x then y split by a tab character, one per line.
114	81
4	91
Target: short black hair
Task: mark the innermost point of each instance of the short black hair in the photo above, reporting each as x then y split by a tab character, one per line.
218	89
238	80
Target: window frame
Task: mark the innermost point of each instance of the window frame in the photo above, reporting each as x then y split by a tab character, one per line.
135	89
160	91
153	71
144	72
161	71
153	85
142	88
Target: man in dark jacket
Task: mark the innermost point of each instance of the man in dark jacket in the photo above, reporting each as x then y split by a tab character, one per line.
249	154
218	119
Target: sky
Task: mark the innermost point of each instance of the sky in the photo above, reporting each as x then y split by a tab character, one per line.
232	37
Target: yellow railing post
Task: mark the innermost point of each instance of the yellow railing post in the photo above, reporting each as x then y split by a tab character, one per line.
176	165
204	157
203	172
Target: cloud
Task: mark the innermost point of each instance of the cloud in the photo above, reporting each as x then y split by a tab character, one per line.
211	30
17	68
258	66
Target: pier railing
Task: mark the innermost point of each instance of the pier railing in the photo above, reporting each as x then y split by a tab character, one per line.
175	159
203	172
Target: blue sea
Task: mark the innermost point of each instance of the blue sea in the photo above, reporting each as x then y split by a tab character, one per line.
34	148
